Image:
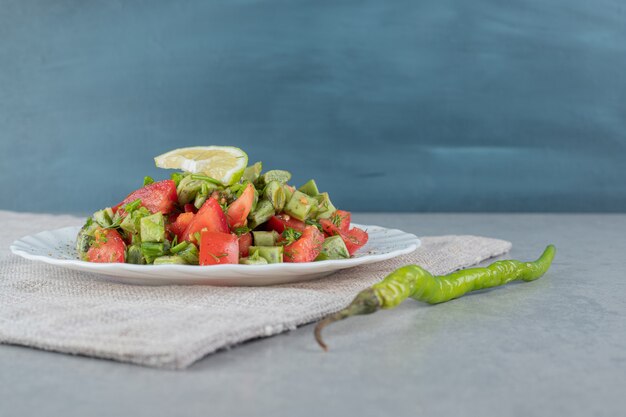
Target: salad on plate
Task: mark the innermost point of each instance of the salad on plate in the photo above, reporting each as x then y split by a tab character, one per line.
218	210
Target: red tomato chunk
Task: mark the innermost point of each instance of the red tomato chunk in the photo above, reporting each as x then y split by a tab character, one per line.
355	239
156	197
218	248
240	208
107	247
343	218
181	224
245	241
306	248
282	221
210	217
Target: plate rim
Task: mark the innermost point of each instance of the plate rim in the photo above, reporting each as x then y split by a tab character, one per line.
305	267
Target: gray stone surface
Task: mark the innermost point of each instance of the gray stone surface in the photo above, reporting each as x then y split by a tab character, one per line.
556	346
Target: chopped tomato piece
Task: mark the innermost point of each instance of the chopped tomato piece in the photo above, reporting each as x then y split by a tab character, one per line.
190	208
306	248
281	221
218	248
156	197
342	219
181	224
354	239
240	208
338	222
329	227
245	241
107	247
210	217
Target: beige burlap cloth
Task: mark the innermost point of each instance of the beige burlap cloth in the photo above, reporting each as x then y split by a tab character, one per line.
52	308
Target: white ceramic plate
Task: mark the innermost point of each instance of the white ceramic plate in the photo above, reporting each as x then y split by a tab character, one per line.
56	247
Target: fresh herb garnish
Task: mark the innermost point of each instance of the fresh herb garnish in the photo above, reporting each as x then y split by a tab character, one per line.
179	247
336	219
176	177
314	223
290	235
130	207
218	256
205	178
241	230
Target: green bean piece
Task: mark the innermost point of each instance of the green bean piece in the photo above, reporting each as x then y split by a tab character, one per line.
310	188
104	217
131	223
264	211
289	190
170	260
190	254
272	254
187	189
202	195
179	247
190	186
134	255
152	250
152	228
300	205
325	207
255	201
262	238
274	175
128	224
237	188
417	283
333	248
253	261
252	172
275	193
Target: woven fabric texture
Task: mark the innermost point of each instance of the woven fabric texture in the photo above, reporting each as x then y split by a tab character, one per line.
52	308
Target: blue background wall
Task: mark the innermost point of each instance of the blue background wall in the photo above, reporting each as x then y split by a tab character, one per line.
399	106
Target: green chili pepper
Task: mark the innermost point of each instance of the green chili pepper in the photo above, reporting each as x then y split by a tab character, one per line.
417	283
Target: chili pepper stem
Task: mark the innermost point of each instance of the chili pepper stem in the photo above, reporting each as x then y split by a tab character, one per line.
366	302
318	331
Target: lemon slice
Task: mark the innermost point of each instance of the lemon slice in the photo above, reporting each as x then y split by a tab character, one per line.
224	163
